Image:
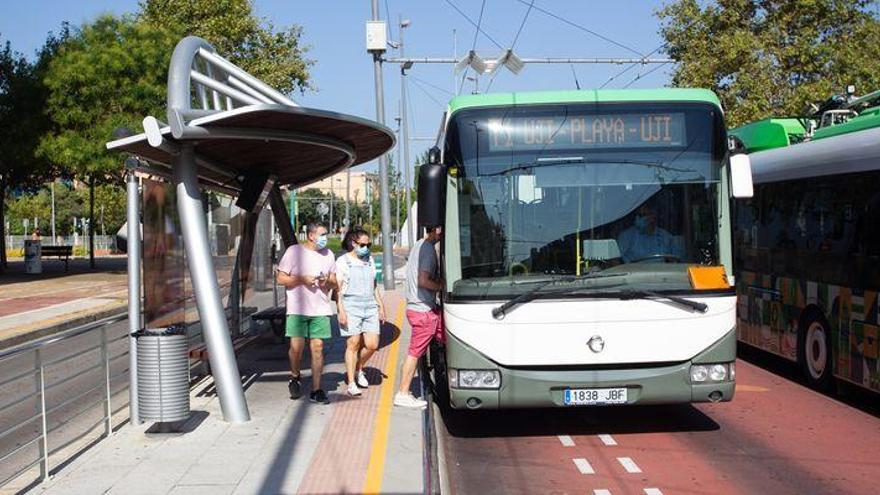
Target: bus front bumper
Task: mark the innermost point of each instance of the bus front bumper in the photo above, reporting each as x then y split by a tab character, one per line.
545	387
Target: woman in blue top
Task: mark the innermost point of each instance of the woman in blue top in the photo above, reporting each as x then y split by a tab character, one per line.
359	306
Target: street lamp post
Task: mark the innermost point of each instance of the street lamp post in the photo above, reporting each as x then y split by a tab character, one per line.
405	163
385	203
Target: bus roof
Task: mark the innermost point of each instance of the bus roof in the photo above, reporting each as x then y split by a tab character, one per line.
584	96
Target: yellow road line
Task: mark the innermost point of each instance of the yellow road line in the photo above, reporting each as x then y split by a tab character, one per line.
376	467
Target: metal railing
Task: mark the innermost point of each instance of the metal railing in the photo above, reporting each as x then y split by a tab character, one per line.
102	242
57	391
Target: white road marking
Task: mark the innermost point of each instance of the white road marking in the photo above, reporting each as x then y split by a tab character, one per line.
583	466
653	491
607	439
601	491
629	465
566	440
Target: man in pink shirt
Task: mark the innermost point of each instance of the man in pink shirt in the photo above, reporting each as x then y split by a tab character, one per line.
308	271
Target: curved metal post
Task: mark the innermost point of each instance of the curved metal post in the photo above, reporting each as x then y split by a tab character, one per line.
207	292
133	219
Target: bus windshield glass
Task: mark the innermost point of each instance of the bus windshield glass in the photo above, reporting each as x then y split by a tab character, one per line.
574	189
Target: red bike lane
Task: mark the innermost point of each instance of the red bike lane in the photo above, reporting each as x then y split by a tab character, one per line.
775	437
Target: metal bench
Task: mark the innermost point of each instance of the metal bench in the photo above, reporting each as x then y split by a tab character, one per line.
59	252
200	352
275	317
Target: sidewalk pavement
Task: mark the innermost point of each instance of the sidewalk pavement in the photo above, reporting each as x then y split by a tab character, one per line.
34	305
353	445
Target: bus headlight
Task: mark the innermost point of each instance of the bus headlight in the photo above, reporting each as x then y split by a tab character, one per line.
710	373
490	379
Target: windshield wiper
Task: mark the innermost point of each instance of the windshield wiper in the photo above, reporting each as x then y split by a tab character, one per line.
502	310
574	160
649	294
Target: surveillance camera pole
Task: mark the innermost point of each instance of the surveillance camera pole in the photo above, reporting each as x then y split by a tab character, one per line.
384	200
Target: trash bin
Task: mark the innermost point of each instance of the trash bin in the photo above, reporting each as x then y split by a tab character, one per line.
163	374
33	252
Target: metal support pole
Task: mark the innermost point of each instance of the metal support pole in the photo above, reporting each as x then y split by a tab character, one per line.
404	123
204	281
44	424
133	224
384	200
105	357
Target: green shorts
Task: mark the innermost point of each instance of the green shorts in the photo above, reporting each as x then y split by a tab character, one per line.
310	327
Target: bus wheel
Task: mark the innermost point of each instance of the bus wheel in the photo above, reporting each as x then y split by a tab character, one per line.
814	350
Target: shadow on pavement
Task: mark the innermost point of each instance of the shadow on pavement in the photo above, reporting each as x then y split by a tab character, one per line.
852	395
576	421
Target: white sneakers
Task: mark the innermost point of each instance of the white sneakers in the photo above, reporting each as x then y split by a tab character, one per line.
353	389
361	379
407	400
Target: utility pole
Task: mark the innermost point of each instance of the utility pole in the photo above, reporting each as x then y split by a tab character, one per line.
397	180
385	203
403	24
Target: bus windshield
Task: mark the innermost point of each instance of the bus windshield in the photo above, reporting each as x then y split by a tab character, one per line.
572	189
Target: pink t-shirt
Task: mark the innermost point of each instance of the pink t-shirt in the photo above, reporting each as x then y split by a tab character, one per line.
307	300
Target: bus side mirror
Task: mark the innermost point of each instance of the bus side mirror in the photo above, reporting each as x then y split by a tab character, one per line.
741	176
432	195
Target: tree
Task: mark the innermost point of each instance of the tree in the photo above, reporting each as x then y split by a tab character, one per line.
252	43
23	121
772	57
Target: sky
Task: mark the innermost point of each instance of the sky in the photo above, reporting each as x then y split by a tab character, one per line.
343	70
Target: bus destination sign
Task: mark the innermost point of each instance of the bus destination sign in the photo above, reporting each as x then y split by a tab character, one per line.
630	130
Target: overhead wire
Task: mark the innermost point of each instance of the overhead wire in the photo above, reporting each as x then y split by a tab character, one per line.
430	84
429	95
655	69
515	38
476	36
475	24
630	67
583	28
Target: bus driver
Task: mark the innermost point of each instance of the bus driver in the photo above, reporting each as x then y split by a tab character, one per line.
644	239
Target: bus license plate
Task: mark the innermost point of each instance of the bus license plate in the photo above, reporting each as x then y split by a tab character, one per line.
594	396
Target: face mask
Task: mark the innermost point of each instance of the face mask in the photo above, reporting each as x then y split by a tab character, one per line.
362	251
641	223
321	242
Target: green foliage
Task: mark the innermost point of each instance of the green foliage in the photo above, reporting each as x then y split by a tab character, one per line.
772	57
109	74
253	43
69	203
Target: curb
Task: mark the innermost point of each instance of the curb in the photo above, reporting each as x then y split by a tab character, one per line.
38	333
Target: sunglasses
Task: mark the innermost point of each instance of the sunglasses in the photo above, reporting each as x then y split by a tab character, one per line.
366	244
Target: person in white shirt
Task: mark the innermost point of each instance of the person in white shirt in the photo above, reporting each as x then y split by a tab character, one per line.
359	306
644	239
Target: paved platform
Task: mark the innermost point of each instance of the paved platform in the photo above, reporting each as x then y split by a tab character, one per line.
34	305
352	445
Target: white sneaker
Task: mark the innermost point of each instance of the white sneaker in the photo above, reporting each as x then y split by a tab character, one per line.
353	389
362	380
407	400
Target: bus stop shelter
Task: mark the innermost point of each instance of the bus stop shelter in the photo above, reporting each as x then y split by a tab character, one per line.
227	130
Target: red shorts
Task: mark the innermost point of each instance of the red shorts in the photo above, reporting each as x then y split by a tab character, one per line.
425	326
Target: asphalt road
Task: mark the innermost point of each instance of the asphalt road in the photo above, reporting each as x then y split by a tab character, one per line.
776	437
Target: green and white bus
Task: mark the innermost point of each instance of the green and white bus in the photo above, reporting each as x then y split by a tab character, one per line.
587	250
808	243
